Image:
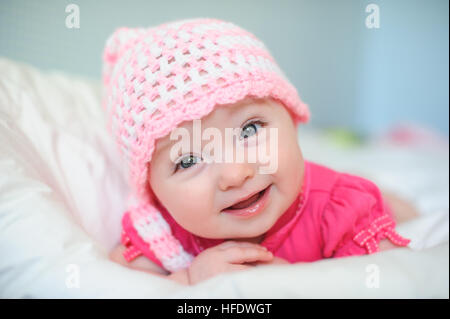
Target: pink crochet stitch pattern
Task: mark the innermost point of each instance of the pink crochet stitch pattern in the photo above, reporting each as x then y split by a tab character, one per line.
155	78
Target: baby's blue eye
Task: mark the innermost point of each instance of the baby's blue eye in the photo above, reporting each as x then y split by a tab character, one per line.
186	162
251	129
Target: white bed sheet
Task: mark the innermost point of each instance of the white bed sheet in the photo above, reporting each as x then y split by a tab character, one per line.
62	193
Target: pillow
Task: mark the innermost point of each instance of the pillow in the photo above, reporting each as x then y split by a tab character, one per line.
61	194
59	128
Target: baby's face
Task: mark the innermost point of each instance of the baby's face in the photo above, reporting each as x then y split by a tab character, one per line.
198	193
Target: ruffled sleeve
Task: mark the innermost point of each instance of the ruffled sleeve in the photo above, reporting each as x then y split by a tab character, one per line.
356	219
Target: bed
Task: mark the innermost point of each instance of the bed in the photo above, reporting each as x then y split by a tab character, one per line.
63	189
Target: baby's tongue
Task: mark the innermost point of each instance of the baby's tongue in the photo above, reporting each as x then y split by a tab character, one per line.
246	202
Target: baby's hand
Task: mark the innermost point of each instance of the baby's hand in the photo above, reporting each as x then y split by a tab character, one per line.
274	261
228	256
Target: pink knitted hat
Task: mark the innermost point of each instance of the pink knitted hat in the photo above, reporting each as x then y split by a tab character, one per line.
155	78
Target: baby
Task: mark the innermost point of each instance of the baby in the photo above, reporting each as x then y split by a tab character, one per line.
234	192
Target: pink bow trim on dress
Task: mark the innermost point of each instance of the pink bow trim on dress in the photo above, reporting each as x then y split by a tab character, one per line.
131	251
384	227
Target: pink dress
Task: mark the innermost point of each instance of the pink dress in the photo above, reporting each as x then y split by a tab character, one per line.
335	215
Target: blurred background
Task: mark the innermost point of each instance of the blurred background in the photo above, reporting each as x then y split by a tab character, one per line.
355	78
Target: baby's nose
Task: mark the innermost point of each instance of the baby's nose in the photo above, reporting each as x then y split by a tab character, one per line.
235	174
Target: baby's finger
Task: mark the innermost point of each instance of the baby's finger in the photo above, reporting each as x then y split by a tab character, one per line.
232	243
239	255
236	267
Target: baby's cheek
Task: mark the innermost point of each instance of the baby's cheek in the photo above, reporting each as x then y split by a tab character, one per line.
290	170
191	208
290	159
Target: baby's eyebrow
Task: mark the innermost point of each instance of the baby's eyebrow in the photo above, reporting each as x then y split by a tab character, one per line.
166	144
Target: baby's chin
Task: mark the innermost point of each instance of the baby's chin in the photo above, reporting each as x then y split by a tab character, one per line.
236	230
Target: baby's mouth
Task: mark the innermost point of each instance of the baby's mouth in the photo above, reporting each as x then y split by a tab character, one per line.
248	202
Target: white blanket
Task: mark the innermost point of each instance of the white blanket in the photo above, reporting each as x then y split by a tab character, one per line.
62	193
